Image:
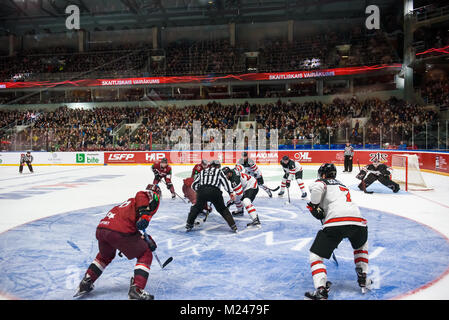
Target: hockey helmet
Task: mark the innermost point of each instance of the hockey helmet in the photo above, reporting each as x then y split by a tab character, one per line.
238	167
227	172
215	163
204	163
154	188
285	158
328	170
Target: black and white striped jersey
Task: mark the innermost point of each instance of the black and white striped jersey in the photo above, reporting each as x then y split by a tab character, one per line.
213	177
26	158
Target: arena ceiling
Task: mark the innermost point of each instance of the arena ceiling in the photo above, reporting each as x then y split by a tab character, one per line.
48	16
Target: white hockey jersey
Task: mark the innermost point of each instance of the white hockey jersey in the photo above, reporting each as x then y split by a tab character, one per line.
250	167
335	199
241	182
291	168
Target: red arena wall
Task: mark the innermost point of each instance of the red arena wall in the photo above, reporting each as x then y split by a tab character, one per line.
433	161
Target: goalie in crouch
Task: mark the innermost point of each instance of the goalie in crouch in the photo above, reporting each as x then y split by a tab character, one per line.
376	171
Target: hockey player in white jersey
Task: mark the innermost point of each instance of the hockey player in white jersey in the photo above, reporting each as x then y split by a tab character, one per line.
251	168
246	189
330	202
292	170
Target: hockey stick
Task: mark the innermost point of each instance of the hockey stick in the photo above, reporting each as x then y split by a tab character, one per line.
363	181
288	194
174	192
273	190
162	265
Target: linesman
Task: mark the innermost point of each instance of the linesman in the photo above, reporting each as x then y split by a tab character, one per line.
207	187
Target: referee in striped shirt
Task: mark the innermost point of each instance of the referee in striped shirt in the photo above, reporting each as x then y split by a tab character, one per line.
207	186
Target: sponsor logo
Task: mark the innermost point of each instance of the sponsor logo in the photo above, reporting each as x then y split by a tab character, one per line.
340	156
264	155
80	158
87	158
121	157
154	156
54	158
379	157
303	156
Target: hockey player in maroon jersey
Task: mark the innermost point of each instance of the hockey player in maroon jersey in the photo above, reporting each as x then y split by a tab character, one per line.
189	193
199	167
119	230
162	170
187	186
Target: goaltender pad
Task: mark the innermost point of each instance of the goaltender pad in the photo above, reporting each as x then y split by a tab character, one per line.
406	172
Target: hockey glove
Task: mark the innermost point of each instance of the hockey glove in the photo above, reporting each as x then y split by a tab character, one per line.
260	181
316	210
142	224
144	218
361	175
287	184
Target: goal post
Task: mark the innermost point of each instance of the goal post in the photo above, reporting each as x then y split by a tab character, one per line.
406	172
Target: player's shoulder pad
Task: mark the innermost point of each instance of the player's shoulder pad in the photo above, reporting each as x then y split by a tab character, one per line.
319	184
330	182
291	164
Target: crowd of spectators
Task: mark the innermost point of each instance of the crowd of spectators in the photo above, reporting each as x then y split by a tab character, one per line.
61	63
395	120
324	50
67	129
436	92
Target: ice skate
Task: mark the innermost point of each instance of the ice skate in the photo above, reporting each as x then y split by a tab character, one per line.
281	193
254	223
304	194
86	285
321	293
136	293
364	282
189	227
237	213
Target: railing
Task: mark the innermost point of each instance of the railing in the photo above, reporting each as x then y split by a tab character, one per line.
430	12
424	136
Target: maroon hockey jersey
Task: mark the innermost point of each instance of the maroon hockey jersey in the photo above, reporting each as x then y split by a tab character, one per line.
123	218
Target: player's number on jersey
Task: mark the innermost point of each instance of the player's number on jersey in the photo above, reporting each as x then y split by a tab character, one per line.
348	195
247	177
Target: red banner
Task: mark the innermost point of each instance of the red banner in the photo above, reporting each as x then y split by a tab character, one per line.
427	160
205	78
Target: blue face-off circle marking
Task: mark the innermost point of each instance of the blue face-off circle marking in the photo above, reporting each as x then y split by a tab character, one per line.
46	258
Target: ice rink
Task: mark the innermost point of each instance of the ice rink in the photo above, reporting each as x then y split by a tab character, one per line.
48	221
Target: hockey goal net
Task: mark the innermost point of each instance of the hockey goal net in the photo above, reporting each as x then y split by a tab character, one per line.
406	172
